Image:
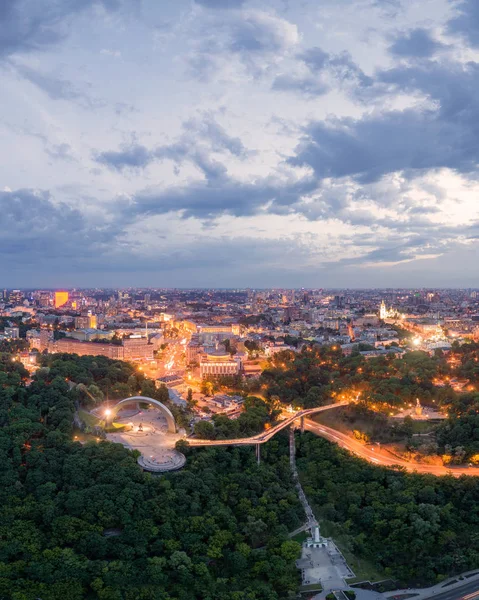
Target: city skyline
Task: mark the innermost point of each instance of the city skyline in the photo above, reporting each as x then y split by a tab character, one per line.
239	143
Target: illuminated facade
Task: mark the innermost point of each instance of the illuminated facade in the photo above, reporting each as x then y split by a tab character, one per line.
216	364
387	313
61	298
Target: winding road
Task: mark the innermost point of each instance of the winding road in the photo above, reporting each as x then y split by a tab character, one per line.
374	455
378	456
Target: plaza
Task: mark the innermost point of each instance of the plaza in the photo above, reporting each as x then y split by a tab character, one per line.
147	432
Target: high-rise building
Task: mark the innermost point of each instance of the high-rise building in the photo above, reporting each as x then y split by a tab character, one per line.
16	297
44	299
61	298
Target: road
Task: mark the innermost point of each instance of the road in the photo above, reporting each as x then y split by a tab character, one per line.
462	590
378	456
373	454
459	593
266	435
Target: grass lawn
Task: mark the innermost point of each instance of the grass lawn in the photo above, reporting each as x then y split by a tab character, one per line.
89	419
301	536
423	426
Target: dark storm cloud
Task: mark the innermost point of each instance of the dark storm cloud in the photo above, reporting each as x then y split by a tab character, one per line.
416	43
466	21
27	25
415	139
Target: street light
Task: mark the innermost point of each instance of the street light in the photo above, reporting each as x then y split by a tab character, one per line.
107	414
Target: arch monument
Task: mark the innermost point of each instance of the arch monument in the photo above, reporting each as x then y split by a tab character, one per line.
165	411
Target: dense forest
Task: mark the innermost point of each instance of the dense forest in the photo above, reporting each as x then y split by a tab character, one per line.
83	521
418	528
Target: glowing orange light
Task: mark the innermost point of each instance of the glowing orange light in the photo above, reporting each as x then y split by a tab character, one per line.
61	298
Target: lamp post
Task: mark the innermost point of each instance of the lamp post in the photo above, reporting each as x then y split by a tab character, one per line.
107	414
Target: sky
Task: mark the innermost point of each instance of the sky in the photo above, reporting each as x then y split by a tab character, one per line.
239	143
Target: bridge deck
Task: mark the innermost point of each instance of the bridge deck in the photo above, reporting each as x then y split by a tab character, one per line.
264	436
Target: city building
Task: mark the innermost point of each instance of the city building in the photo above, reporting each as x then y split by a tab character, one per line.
217	363
137	348
61	298
71	346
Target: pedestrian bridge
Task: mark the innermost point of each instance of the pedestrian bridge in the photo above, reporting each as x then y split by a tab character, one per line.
265	436
165	411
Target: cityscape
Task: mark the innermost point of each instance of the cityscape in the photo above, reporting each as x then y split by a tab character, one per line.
239	300
388	377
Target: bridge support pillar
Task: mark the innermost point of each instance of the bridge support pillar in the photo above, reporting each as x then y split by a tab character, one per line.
302	424
258	453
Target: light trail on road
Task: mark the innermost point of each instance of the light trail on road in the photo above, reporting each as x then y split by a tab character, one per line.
381	457
376	456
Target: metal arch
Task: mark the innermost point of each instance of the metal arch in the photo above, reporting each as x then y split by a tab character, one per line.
170	419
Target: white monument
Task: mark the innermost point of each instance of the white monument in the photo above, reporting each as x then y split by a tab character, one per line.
316	541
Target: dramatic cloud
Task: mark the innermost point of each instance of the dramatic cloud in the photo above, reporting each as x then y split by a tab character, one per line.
466	22
413	139
37	229
321	73
238	142
201	137
132	156
416	43
255	39
222	195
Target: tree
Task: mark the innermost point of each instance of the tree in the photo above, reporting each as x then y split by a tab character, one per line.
162	394
207	387
205	430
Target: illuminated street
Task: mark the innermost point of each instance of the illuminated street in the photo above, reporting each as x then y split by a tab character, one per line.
380	457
